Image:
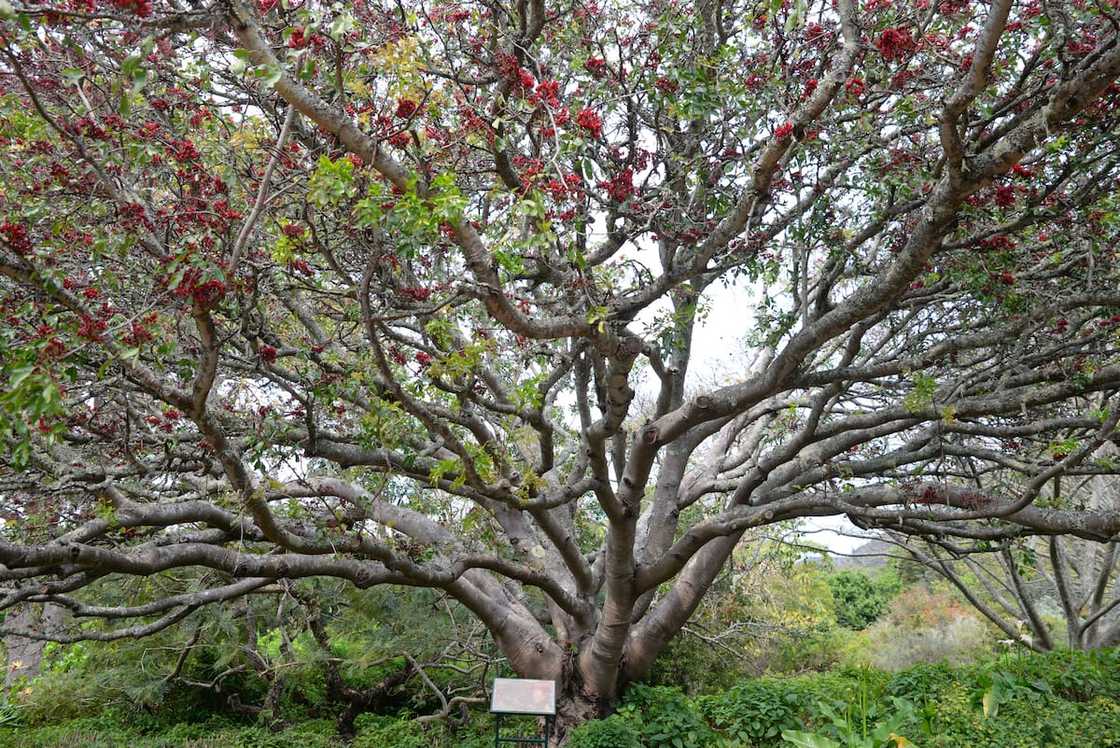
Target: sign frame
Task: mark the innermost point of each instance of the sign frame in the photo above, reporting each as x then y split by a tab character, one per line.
523	697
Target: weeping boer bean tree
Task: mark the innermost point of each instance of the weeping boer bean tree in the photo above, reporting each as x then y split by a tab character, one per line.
368	291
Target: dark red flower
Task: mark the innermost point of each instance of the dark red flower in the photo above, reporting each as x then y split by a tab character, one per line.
1005	196
209	294
268	354
895	43
298	39
590	121
15	235
406	108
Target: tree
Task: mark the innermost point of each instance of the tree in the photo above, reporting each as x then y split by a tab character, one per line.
1013	581
367	292
860	599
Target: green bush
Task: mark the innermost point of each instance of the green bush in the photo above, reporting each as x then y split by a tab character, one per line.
1019	700
754	712
613	732
665	718
859	598
391	733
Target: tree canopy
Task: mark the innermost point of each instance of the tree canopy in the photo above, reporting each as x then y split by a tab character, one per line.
407	294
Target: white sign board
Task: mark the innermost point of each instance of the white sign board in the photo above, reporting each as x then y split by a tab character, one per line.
522	696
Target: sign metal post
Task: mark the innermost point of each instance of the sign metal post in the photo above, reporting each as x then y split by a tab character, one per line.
524	698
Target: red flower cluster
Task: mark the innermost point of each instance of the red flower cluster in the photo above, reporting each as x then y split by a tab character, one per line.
590	121
417	293
141	8
621	187
665	85
88	128
148	130
206	293
854	87
1005	196
268	354
299	39
15	235
138	333
209	294
548	92
816	34
597	66
184	151
302	266
783	130
406	108
895	43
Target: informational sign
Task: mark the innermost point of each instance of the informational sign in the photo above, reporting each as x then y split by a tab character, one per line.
523	696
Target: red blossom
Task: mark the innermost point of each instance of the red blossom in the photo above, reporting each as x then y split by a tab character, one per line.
90	328
209	294
1005	196
15	235
895	43
184	151
299	39
548	92
301	266
783	130
406	108
597	66
621	187
141	8
417	293
590	121
268	354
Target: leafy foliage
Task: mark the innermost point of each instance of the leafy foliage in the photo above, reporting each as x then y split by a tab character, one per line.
860	598
616	731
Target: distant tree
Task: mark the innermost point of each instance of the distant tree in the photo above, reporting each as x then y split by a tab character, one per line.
1028	586
366	291
859	598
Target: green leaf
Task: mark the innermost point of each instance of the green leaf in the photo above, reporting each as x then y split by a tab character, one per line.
808	740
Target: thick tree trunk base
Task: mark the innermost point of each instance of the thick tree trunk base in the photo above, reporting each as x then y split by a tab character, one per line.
574	707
